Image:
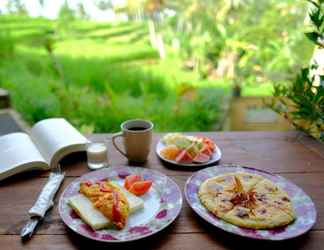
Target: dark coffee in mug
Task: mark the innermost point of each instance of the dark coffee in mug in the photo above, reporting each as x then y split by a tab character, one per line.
137	138
137	128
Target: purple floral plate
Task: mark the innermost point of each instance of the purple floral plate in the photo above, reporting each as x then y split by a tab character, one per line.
162	205
303	205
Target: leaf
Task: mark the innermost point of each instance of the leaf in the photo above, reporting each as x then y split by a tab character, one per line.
314	3
320	41
321	80
313	36
321	19
314	65
316	17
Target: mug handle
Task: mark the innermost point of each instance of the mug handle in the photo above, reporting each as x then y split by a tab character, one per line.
114	137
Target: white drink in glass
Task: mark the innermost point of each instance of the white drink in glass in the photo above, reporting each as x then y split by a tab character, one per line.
97	155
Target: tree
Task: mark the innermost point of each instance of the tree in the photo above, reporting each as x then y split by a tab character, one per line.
149	10
41	3
16	7
103	4
81	12
153	10
66	13
132	8
231	39
200	28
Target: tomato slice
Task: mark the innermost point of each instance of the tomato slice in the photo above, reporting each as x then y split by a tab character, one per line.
105	189
140	187
116	214
131	179
87	183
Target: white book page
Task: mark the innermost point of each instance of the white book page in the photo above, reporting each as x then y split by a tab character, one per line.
18	153
56	138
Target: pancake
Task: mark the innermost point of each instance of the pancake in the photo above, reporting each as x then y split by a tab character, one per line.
247	200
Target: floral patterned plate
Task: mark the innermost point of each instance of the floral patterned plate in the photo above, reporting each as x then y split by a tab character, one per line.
162	205
303	205
216	156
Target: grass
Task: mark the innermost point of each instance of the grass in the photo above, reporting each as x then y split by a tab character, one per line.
110	73
100	98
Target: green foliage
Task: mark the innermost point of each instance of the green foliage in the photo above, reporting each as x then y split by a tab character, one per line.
7	44
66	14
98	74
30	95
258	41
16	6
302	102
316	15
109	81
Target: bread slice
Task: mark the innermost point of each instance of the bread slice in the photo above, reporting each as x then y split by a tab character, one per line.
88	213
135	203
92	216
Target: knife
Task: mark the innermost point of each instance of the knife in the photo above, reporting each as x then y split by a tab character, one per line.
43	203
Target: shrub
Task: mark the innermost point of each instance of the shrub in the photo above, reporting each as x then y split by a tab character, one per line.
302	102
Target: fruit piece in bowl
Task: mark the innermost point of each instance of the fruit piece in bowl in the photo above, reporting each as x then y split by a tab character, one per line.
206	150
187	149
170	152
177	139
184	157
201	158
210	143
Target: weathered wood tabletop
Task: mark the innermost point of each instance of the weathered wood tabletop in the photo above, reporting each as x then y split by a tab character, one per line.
290	154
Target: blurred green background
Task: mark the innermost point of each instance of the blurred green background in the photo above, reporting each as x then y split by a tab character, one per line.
176	63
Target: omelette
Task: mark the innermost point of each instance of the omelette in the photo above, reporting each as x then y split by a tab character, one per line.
247	200
108	198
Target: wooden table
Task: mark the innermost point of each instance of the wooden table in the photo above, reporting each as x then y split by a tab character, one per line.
291	154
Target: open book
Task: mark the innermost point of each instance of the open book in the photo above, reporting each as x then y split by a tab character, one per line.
49	141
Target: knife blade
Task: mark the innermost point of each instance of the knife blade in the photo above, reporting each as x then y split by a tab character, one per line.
43	203
29	228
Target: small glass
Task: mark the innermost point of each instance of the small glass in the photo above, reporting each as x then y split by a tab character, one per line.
97	155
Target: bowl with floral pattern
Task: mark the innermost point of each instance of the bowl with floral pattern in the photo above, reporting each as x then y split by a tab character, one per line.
303	205
162	205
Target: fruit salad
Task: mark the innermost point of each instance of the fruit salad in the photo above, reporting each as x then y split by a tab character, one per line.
187	149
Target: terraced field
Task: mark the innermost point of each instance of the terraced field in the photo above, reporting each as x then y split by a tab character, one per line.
99	74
